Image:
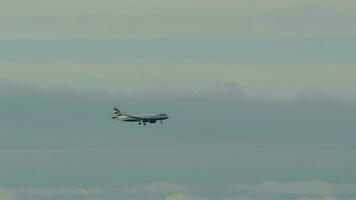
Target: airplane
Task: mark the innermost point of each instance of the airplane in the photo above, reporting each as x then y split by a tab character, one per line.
141	119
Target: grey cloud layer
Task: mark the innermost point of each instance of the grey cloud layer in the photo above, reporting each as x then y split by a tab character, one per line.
291	67
66	139
38	19
313	190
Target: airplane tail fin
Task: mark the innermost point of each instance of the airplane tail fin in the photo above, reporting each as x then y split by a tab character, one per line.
117	112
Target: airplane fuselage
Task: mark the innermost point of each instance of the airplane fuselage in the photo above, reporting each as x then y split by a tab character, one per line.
152	118
141	119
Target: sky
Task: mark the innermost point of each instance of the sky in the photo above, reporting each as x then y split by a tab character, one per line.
261	98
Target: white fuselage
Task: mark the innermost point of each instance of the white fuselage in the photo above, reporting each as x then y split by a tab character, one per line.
141	119
152	118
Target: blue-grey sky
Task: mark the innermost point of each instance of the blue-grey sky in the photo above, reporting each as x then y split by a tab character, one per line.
261	96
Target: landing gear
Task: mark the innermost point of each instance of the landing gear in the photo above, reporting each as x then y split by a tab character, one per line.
161	122
139	123
144	123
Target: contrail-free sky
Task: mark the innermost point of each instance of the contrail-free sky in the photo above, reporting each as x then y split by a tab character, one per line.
260	96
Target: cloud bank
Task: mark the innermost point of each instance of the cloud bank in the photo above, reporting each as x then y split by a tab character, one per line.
315	188
62	138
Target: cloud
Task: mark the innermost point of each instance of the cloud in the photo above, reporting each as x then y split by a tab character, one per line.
181	197
319	198
47	193
70	140
166	188
7	194
262	80
196	19
317	188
